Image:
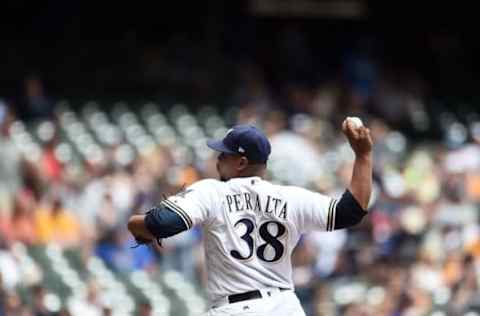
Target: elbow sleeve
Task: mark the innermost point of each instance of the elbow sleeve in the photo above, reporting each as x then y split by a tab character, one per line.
162	222
348	211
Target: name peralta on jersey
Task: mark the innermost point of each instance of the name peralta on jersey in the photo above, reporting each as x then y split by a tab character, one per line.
250	229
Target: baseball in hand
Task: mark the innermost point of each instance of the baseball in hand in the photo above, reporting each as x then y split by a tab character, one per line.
355	121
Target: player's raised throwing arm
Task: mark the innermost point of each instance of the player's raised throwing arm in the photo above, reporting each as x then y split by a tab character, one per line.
317	211
361	142
349	210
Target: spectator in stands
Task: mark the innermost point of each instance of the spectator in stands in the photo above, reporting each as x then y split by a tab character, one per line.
51	168
115	249
20	225
10	270
39	308
91	306
93	299
55	224
11	304
92	196
107	217
107	311
63	312
10	161
145	309
177	253
36	104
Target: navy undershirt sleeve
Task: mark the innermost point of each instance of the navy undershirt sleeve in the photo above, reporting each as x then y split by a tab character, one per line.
162	222
349	212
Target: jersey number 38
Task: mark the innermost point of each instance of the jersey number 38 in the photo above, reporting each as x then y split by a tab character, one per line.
271	240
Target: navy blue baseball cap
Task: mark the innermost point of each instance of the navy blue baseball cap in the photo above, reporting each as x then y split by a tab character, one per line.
246	140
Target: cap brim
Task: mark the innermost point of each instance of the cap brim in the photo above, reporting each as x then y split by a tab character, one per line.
218	145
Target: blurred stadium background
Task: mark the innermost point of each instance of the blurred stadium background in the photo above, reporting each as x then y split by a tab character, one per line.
104	107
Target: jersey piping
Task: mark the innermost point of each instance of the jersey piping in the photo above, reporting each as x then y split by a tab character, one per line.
332	208
177	209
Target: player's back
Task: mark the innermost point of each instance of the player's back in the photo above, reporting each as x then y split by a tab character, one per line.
250	230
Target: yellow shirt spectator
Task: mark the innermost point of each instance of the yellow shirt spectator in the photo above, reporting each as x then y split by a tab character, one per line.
57	225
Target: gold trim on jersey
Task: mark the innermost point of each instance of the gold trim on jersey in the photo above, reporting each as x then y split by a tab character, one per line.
332	211
177	209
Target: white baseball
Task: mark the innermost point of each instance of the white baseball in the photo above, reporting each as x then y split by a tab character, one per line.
357	122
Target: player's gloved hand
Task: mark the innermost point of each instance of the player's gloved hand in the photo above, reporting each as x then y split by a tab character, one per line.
143	241
358	137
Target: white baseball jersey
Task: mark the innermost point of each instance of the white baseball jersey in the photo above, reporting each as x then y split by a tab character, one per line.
250	229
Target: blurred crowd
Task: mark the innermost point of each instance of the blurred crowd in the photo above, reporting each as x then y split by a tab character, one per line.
416	253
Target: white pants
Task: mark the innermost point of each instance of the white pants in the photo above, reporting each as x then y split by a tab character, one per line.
284	303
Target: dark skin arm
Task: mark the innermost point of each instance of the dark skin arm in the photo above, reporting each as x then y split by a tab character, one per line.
361	143
136	226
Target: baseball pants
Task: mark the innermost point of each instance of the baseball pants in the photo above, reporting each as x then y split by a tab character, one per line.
276	303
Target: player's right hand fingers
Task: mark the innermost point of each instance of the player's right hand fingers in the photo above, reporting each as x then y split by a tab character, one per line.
352	131
368	136
344	127
365	137
347	130
362	132
365	132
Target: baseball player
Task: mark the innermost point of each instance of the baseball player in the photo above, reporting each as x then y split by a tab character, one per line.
251	226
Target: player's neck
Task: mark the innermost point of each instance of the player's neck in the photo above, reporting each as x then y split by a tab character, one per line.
252	171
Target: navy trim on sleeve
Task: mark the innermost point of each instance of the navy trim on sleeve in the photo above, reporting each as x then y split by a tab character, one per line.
177	209
348	212
162	222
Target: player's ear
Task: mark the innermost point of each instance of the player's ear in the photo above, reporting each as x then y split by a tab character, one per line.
243	163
